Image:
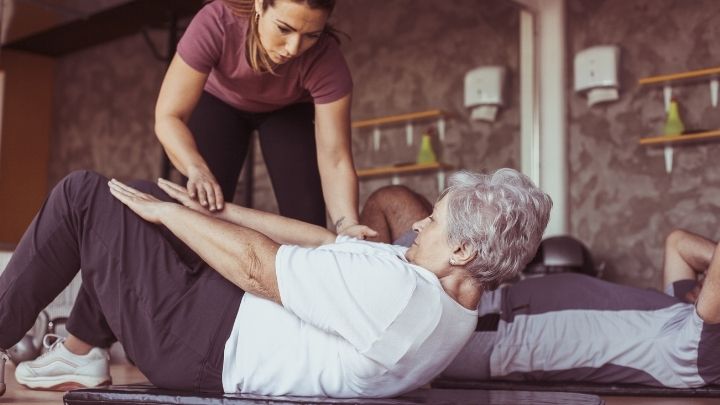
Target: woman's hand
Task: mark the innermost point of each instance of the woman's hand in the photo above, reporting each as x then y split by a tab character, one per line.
181	195
146	206
357	231
203	187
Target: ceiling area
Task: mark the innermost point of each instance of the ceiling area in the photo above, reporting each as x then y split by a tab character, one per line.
71	9
57	27
21	18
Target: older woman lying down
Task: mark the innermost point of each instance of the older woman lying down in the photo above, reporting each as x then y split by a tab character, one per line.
246	301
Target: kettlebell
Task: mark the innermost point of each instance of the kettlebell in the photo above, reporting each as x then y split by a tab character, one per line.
30	346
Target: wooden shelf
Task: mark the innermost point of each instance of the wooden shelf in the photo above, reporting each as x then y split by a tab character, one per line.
665	139
401	169
408	120
694	74
399	119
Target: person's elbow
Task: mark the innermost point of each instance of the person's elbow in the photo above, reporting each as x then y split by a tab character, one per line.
159	127
164	123
249	265
162	118
168	114
328	239
254	271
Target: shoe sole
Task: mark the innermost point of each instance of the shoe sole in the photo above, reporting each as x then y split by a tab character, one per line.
52	385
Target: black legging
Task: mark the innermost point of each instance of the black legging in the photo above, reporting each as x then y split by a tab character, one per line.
287	140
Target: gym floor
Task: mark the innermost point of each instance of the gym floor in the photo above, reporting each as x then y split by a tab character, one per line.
127	374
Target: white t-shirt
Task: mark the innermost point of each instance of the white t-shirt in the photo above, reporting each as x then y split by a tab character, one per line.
357	320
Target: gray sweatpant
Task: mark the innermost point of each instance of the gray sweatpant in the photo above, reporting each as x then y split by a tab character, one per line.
571	327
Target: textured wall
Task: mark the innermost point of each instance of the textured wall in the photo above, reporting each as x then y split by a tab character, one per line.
105	97
622	201
412	55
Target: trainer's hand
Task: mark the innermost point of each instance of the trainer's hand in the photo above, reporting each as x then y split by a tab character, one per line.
181	195
203	187
358	231
146	206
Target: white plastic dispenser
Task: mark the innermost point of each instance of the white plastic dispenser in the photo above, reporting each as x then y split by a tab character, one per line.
484	91
596	73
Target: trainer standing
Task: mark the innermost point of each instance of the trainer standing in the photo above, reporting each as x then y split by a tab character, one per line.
273	66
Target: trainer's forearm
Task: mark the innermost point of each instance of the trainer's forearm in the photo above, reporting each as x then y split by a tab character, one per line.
340	188
179	144
243	256
285	231
335	162
179	94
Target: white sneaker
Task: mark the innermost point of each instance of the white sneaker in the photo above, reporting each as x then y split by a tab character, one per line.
60	370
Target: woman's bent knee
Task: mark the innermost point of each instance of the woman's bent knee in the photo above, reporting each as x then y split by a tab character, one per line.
78	185
391	193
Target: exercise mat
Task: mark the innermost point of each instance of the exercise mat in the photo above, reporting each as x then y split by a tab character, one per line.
579	387
146	395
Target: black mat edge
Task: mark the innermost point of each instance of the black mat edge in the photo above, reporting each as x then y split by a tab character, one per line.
147	394
710	391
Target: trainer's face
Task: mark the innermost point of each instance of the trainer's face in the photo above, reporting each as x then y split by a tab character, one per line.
431	249
287	29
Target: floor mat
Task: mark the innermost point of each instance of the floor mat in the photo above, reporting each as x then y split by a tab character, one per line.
144	394
586	388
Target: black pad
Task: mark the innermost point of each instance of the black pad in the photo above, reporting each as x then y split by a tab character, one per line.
587	388
145	395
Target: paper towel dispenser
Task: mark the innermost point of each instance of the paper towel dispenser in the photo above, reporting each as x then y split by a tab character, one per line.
596	73
484	91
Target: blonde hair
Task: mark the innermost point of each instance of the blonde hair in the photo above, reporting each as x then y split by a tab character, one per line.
257	56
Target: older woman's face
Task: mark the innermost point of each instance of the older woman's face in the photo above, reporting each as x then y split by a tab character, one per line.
431	249
287	29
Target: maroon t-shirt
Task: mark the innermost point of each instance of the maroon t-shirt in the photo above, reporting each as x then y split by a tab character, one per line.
214	43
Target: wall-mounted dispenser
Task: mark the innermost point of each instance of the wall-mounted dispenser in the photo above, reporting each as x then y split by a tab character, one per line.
596	73
484	91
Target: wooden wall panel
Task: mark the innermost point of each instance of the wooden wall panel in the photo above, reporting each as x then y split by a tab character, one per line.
25	139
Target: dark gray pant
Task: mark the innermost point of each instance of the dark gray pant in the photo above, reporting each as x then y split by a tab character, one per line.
140	284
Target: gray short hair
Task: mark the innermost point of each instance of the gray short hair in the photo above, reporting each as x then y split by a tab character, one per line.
502	215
